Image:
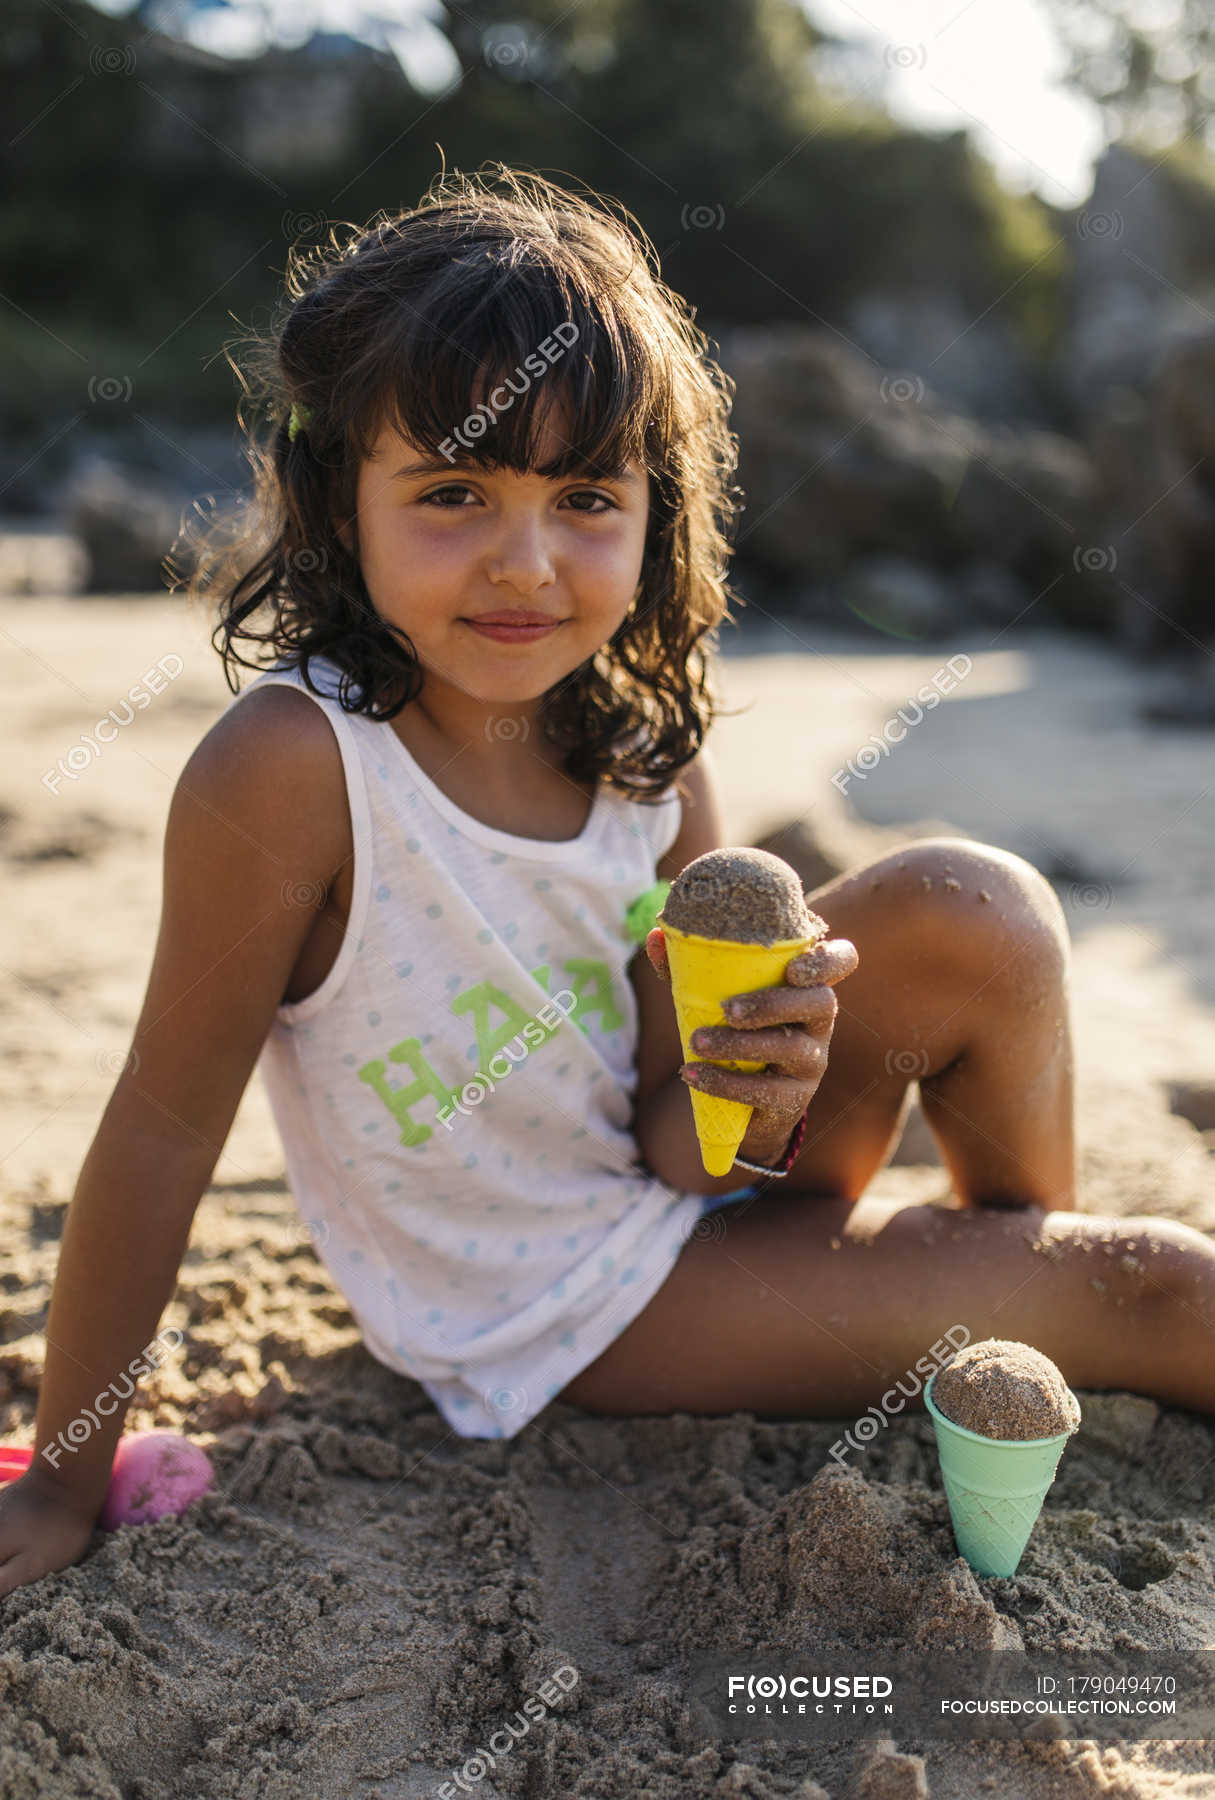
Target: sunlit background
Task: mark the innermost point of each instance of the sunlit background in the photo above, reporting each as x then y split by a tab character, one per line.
998	69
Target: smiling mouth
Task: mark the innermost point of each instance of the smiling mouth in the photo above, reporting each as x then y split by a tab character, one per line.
512	618
512	628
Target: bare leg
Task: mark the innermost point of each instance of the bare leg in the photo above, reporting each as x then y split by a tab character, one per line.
790	1309
969	996
794	1310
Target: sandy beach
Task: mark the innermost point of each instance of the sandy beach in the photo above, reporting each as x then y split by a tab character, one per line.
364	1597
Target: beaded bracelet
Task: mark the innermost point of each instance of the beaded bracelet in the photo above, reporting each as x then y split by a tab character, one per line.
790	1156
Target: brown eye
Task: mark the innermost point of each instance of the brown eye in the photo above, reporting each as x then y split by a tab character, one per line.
435	498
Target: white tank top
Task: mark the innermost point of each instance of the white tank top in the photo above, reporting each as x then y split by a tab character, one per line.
455	1099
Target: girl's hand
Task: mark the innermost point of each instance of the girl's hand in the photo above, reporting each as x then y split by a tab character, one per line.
787	1027
43	1528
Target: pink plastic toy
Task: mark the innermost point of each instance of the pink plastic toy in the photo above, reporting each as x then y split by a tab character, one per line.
154	1473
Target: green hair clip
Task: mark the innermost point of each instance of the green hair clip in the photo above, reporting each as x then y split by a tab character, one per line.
300	419
642	916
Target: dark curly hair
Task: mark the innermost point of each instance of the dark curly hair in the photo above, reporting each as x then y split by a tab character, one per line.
400	326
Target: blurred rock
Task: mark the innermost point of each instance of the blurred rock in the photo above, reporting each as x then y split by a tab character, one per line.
1124	255
902	598
801	845
1070	868
1195	1101
1181	697
842	461
992	594
1136	360
1141	274
1155	452
831	468
1028	498
40	560
986	373
127	526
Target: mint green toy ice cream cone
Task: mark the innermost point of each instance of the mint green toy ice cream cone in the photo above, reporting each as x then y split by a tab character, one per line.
995	1488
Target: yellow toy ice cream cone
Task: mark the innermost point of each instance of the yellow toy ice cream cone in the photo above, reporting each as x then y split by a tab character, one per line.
704	972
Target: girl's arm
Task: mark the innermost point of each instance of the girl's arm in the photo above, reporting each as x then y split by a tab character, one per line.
254	836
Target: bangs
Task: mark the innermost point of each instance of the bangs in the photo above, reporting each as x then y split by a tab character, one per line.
494	351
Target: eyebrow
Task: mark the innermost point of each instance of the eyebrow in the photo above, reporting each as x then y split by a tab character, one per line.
441	466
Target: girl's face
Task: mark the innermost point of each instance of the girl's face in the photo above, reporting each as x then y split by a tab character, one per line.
439	546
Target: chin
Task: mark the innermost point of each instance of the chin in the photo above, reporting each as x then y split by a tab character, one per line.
504	694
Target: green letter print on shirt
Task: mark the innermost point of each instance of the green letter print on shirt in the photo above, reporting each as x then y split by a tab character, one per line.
591	983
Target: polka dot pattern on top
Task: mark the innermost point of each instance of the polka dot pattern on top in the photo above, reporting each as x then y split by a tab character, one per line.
455	1098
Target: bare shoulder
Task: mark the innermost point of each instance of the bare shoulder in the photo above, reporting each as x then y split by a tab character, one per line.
271	767
700	824
252	843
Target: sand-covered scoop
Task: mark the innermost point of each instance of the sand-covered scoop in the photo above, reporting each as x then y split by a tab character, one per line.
748	896
1002	1414
1003	1389
733	921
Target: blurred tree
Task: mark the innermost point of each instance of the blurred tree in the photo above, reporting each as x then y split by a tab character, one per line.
1148	64
152	187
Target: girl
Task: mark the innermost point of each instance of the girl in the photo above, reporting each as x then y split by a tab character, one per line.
409	870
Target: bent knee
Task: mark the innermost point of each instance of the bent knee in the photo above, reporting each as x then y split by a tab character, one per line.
975	898
1175	1260
1148	1265
953	919
997	878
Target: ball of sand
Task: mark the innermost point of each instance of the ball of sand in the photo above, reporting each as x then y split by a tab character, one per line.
154	1473
1003	1389
747	896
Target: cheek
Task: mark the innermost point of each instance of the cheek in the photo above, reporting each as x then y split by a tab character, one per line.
612	560
408	552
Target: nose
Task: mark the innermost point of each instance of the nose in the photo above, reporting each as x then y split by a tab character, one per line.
521	558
